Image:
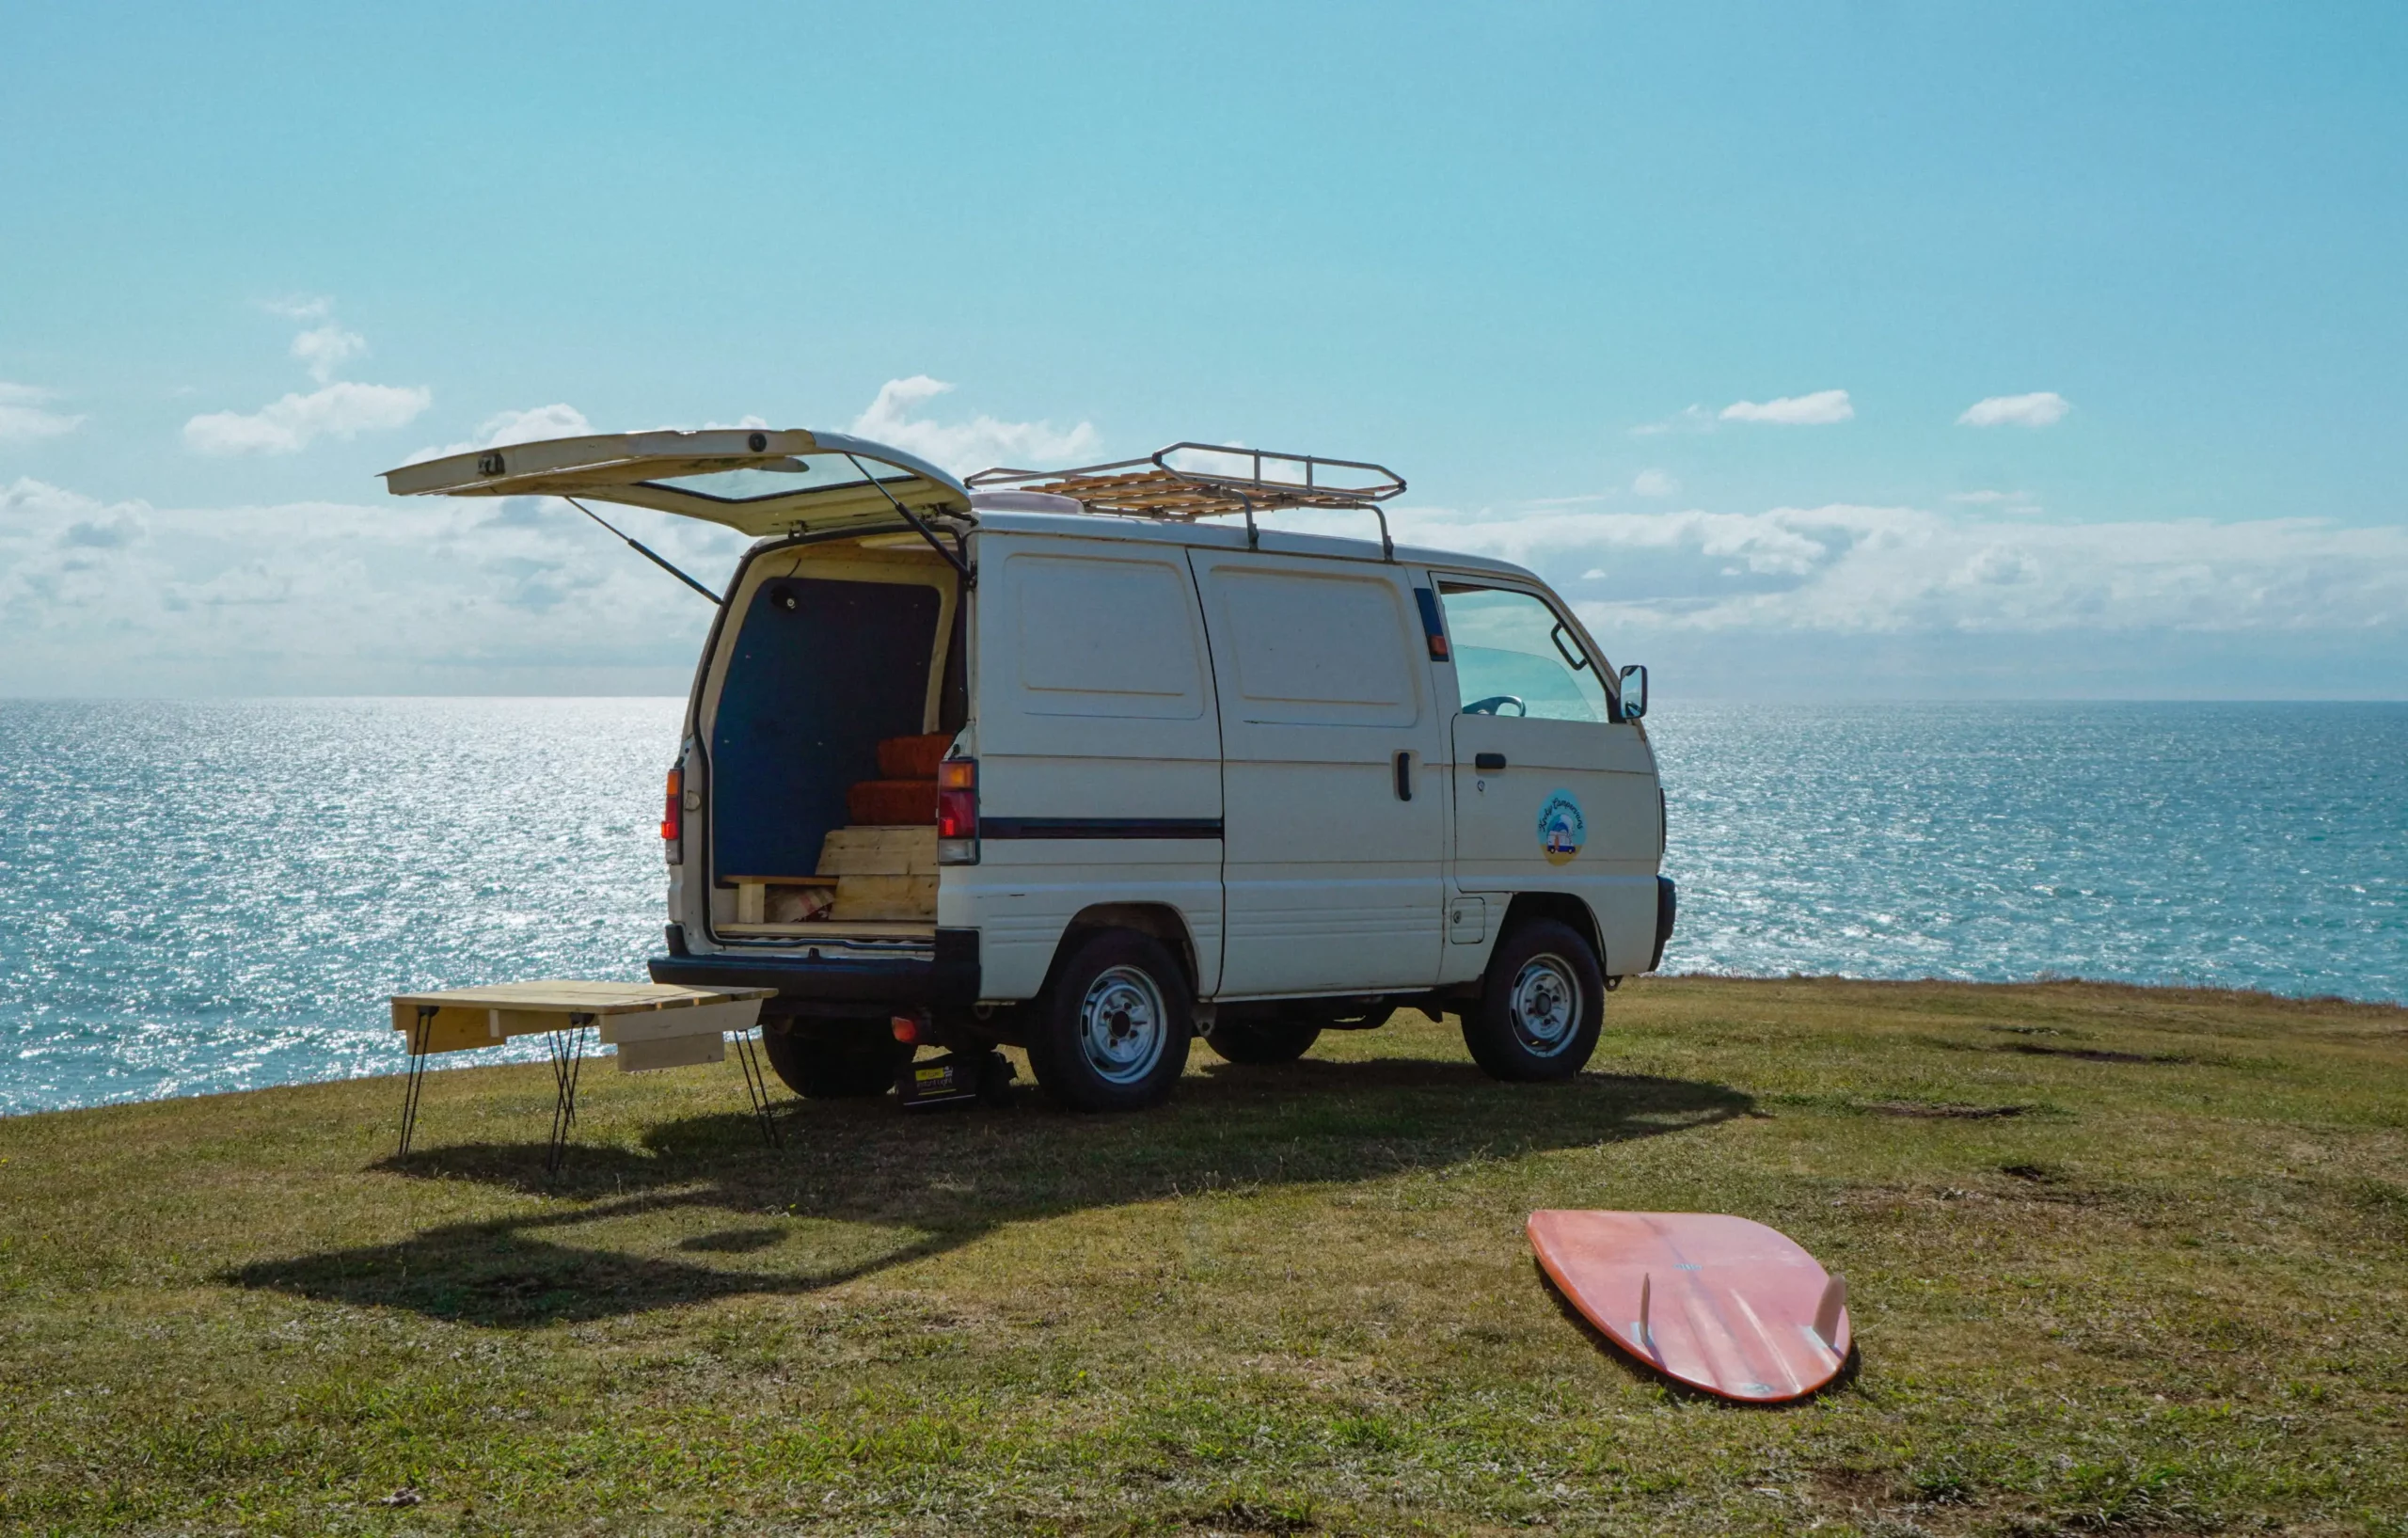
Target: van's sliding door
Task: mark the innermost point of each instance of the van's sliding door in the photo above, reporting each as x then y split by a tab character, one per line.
1335	821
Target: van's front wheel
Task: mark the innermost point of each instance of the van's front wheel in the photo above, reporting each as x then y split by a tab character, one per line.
1114	1029
1541	1007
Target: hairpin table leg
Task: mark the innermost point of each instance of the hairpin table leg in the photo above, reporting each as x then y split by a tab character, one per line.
756	1086
569	1055
418	1034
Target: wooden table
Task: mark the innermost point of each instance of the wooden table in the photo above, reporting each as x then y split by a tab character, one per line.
654	1026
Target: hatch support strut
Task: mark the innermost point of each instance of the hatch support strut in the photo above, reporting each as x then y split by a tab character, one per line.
969	578
644	550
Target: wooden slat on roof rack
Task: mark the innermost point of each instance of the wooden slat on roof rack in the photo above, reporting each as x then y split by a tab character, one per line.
1243	480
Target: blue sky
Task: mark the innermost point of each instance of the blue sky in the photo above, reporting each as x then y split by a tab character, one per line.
1593	278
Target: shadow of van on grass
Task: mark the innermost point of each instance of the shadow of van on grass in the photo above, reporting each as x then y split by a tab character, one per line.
703	1211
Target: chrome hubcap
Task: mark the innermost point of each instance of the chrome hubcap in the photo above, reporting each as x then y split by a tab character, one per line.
1122	1025
1545	1005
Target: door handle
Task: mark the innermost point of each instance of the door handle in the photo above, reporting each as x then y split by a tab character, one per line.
1403	775
1488	763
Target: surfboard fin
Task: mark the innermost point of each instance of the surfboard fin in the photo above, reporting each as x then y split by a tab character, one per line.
1827	1313
1646	1285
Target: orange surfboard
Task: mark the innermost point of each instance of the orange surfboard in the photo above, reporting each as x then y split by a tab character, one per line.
1717	1302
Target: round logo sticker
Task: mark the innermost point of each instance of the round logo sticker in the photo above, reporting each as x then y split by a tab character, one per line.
1562	828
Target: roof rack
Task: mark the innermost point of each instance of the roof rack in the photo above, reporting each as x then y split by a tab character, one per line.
1211	479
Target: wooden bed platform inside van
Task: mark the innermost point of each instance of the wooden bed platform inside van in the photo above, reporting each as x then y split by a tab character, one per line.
836	929
878	874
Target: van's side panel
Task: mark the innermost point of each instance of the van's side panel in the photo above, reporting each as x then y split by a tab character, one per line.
1335	876
1099	751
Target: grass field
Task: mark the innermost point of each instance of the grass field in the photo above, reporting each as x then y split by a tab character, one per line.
2120	1260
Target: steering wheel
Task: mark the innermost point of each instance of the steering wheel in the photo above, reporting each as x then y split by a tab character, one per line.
1494	706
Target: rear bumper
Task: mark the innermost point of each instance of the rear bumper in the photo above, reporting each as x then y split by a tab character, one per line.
1667	908
840	985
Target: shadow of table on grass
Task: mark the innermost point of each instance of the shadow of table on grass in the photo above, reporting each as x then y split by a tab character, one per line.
702	1210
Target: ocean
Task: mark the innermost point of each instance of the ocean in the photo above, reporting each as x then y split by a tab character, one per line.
209	896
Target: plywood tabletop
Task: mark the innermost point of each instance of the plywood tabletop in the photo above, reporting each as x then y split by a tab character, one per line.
570	996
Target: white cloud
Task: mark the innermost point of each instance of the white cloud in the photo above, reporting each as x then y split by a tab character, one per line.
1689	418
422	595
2039	409
324	349
1653	483
342	410
557	420
2005	501
30	500
431	596
963	447
336	409
1819	409
24	419
37	513
1910	572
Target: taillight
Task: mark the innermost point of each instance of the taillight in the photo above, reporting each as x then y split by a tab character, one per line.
673	816
958	812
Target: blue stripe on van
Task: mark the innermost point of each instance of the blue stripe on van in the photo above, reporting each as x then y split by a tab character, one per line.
1098	827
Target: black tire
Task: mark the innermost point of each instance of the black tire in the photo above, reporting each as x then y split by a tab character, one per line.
1540	1005
836	1059
1262	1042
1112	1031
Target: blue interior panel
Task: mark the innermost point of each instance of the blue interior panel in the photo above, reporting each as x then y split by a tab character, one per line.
809	692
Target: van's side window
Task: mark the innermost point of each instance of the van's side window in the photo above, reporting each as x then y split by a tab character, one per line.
1514	657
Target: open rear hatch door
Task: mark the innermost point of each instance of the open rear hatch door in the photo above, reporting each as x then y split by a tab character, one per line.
786	482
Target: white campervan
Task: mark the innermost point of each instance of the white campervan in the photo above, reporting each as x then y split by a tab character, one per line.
1040	758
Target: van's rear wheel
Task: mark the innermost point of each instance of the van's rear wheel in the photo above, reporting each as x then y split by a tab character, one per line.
837	1059
1261	1040
1541	1005
1113	1033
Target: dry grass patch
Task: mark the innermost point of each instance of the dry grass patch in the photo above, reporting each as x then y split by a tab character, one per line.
2164	1294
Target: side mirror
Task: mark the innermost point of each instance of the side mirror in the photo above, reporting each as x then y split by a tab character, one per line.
1634	693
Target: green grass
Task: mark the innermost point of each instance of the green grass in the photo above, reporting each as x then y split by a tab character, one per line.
2158	1287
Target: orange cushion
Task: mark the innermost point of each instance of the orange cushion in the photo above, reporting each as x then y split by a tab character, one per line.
890	802
912	757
